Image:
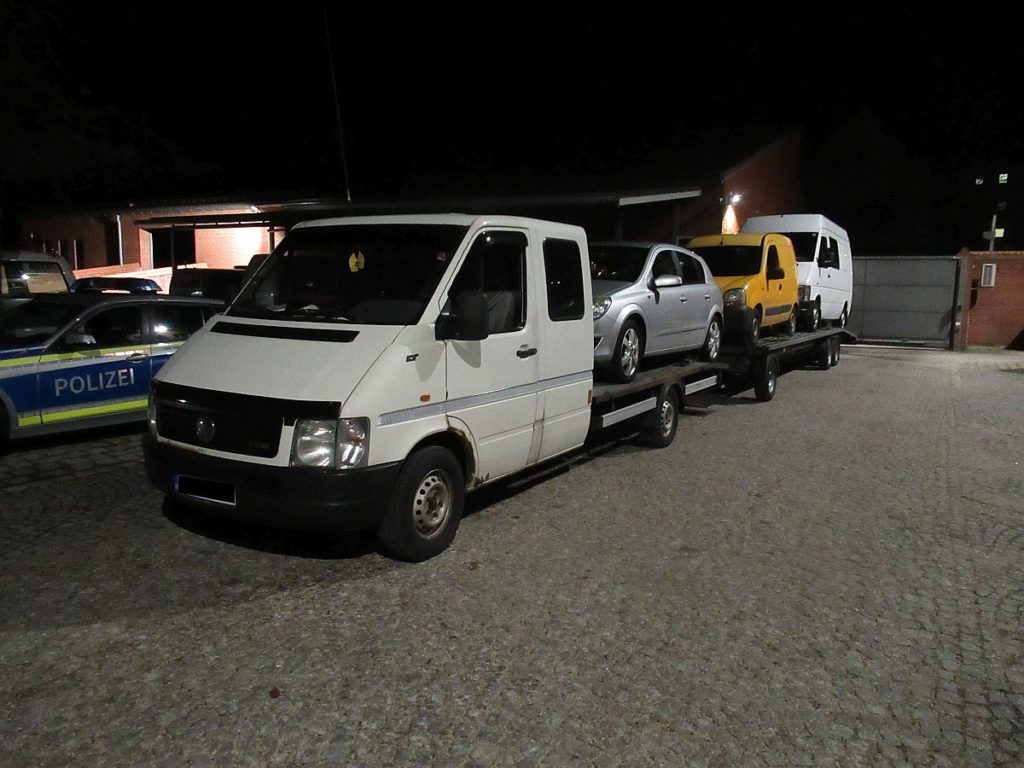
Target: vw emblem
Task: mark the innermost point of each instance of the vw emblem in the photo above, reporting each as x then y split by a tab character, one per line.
205	429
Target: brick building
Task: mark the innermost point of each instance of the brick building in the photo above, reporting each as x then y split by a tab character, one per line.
668	195
994	301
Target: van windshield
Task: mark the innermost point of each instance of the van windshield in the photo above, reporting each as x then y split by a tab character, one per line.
367	274
731	260
26	277
619	263
805	244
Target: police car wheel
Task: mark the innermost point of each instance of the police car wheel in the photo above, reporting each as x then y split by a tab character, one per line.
425	507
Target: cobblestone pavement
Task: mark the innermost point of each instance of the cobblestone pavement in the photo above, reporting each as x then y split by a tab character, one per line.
832	578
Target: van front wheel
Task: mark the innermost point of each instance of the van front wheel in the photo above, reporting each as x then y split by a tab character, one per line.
425	507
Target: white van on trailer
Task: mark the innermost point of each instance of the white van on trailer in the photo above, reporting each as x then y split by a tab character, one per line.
824	264
374	369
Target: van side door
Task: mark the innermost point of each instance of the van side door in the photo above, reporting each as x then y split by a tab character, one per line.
777	301
566	356
492	383
828	263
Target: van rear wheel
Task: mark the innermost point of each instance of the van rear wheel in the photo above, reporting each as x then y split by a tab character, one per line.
766	378
425	507
790	326
814	317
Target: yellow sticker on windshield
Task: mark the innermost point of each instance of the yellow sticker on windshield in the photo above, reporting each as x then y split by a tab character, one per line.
356	261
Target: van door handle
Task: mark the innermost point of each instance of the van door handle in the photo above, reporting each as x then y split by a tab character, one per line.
525	351
682	298
137	357
707	297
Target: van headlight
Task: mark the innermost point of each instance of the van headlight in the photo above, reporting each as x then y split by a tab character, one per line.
804	292
330	443
151	415
735	297
601	306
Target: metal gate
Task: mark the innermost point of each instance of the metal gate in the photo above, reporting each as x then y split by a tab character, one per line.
911	299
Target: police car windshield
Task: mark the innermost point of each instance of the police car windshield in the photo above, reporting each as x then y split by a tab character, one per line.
368	274
33	322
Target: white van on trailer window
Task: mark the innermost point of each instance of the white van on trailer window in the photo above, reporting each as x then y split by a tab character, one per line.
824	264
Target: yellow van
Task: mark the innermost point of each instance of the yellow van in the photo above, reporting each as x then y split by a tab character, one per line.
757	275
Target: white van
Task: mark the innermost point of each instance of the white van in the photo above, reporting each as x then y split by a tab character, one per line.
375	369
824	264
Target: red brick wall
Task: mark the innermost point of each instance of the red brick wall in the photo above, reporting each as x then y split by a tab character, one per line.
65	229
995	316
227	247
769	182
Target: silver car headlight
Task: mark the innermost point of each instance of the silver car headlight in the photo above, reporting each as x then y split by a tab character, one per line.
601	306
735	297
330	443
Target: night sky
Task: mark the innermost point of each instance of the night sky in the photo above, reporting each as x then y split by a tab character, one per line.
114	101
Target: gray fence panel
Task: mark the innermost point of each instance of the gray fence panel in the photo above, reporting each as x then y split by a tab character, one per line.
904	298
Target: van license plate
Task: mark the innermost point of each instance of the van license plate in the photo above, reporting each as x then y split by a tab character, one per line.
207	490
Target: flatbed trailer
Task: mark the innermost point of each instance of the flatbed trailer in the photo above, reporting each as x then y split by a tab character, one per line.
660	393
760	361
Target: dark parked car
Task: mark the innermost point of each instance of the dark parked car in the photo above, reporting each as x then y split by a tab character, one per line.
221	284
85	359
115	284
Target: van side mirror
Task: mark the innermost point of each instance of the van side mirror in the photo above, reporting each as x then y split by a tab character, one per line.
776	273
467	320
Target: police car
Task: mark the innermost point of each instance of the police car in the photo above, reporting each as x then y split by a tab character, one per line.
69	361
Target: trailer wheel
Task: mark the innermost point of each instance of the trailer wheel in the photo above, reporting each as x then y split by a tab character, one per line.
425	507
833	359
766	378
825	354
663	422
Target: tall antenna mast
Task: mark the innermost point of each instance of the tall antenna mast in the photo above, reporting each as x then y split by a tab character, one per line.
337	110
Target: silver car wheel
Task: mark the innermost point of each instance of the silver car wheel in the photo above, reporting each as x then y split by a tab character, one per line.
432	503
630	351
714	340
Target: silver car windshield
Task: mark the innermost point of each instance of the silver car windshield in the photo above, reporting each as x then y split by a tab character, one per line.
366	274
617	263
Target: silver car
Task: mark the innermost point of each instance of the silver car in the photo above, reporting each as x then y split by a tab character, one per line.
651	299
